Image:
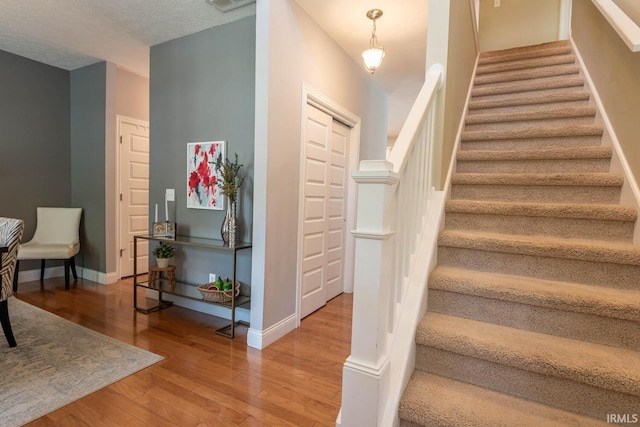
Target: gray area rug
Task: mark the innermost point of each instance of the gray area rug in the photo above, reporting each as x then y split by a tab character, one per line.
57	362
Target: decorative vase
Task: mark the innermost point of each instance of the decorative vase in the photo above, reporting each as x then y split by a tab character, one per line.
233	226
229	228
162	262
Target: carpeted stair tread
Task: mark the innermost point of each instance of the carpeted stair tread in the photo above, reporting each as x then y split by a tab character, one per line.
514	55
546	179
525	64
557	210
530	132
541	84
432	400
534	73
574	153
562	219
528	99
596	365
534	306
543	246
532	114
579	298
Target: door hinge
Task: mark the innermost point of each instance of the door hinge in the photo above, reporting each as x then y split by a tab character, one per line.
120	139
120	196
121	252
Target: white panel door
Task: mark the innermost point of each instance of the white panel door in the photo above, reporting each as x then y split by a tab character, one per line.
315	209
337	209
134	190
324	172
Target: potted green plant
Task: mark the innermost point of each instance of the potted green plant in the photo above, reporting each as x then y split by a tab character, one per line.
163	252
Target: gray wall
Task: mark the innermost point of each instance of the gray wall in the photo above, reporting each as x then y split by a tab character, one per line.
88	101
202	89
34	146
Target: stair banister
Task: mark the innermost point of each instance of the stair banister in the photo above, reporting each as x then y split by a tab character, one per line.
393	199
628	30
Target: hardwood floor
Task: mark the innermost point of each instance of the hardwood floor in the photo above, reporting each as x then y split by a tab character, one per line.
205	379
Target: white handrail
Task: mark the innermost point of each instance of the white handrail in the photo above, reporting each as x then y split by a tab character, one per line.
394	197
628	30
411	127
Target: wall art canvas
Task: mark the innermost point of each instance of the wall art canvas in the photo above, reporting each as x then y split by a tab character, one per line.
202	177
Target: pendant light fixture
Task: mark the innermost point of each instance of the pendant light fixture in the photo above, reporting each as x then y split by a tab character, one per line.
372	57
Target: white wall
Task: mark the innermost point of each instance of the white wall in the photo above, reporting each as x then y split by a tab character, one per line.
292	50
132	97
518	23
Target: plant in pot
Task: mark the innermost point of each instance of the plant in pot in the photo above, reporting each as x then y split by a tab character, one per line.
229	183
163	252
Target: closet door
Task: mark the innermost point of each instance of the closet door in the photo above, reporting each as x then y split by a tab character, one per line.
324	181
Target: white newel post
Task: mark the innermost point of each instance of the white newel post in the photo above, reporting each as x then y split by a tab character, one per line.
365	373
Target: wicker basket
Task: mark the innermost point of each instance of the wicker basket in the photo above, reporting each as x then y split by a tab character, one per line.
214	295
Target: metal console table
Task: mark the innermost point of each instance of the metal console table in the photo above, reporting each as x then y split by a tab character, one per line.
187	290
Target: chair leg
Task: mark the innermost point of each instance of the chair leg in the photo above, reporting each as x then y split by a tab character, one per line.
42	270
66	274
15	276
6	324
72	262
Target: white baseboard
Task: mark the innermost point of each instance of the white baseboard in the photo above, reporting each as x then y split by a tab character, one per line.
58	271
33	275
111	278
95	276
261	339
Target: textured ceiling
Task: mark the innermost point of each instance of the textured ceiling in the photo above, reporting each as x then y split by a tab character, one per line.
71	34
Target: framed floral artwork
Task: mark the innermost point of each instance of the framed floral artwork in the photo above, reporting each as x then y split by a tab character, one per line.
202	178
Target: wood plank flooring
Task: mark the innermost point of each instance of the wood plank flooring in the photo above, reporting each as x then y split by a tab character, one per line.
205	379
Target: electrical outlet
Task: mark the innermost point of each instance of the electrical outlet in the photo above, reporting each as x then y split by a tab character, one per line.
212	277
171	195
496	3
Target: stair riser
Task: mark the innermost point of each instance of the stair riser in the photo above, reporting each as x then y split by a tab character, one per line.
614	231
405	423
536	193
553	321
621	276
522	75
532	143
518	89
526	64
517	56
545	123
549	390
534	166
509	108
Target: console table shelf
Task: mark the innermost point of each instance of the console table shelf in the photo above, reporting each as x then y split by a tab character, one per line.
168	285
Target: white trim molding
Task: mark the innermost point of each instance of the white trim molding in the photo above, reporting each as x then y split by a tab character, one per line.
261	339
564	30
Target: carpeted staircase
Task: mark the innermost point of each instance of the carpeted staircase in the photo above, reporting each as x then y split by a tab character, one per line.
533	312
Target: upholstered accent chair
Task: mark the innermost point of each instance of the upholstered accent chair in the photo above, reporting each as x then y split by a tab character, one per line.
10	236
57	236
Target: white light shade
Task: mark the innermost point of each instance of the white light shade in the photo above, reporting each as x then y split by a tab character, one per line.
372	58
